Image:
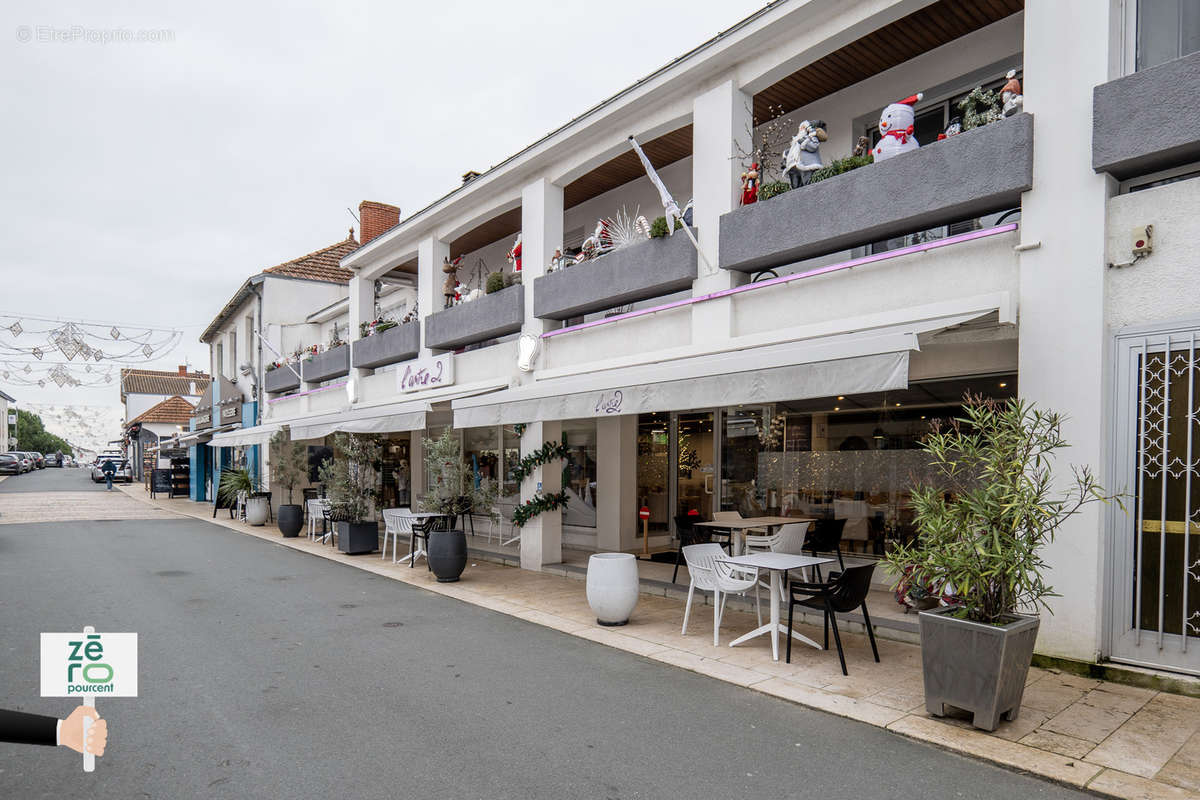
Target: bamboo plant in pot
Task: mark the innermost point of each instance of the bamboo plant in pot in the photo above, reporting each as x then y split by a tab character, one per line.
350	479
234	481
289	467
454	490
993	504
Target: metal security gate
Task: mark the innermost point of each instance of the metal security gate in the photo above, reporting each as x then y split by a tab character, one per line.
1155	580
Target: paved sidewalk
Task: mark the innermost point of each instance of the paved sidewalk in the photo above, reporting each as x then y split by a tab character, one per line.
1111	739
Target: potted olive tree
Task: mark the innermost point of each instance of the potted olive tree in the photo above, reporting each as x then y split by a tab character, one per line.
289	466
991	507
453	491
235	481
350	479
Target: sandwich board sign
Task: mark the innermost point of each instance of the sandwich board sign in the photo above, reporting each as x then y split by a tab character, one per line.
88	665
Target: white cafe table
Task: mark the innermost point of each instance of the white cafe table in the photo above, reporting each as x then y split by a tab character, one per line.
778	564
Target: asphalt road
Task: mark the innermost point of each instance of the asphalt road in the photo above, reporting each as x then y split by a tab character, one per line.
269	673
51	479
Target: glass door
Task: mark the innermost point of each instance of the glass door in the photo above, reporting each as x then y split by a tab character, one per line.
695	464
653	462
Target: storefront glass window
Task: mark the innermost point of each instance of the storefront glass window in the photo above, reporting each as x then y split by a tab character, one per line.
481	449
653	452
510	489
579	473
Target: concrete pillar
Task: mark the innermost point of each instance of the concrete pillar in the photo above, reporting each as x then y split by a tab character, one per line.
416	466
616	483
541	235
541	538
721	128
1062	325
362	309
431	252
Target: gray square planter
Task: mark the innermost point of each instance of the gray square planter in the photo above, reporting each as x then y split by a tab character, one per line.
1137	125
976	667
323	366
281	379
974	173
390	347
638	272
489	317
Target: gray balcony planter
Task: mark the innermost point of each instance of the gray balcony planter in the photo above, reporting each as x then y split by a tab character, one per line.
491	316
281	379
638	272
968	175
974	666
323	366
390	347
1139	124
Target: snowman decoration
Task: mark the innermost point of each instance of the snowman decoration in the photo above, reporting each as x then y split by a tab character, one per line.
896	129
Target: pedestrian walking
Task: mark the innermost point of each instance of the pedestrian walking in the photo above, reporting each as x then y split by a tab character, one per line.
109	469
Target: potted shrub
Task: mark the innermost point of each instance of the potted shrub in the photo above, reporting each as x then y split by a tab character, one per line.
289	466
453	491
981	532
234	481
350	478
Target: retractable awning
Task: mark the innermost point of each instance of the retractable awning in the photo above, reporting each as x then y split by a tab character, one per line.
199	437
852	363
393	417
243	437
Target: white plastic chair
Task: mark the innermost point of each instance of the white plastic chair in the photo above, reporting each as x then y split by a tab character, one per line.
241	506
397	522
791	538
709	573
316	511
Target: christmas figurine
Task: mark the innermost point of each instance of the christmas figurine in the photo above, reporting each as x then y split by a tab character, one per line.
803	158
953	129
863	147
514	255
450	285
896	129
1011	95
556	261
750	185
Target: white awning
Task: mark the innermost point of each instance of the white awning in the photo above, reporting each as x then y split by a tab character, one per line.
259	434
198	437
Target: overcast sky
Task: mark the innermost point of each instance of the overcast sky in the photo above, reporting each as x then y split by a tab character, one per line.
143	181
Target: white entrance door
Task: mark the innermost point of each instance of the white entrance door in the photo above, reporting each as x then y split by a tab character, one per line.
1155	581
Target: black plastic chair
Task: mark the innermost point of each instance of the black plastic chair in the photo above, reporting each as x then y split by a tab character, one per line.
688	533
842	594
420	531
825	536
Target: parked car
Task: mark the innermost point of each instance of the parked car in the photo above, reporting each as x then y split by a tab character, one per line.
54	459
124	471
10	464
26	461
39	460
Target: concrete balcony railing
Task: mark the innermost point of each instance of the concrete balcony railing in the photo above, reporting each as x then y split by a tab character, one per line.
281	379
328	365
390	347
974	173
639	272
489	317
1138	122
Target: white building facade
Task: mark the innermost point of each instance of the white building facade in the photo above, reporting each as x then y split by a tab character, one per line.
792	362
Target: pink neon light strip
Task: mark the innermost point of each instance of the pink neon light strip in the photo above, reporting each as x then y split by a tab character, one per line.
310	391
924	247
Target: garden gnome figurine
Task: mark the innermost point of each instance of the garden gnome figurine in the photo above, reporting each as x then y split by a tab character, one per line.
896	129
803	158
1011	95
750	185
450	285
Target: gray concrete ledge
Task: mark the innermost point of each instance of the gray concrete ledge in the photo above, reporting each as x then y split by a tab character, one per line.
639	272
491	316
331	364
1147	121
281	379
390	347
968	175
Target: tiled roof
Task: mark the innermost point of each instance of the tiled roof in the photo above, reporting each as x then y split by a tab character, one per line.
321	265
149	381
174	410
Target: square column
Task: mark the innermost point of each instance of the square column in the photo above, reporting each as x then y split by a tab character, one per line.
721	129
416	466
541	235
431	252
616	483
541	538
362	309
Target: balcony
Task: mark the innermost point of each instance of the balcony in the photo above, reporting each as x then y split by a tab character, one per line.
390	347
639	272
1137	123
974	173
489	317
328	365
281	379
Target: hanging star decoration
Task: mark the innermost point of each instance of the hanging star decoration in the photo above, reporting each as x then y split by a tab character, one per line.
15	329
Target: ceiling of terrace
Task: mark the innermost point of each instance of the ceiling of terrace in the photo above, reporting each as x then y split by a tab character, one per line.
666	149
882	49
496	228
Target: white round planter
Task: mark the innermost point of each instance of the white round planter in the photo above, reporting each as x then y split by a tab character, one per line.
256	510
612	587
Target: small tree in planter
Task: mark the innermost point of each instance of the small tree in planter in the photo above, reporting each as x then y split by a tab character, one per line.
350	478
452	492
289	466
982	530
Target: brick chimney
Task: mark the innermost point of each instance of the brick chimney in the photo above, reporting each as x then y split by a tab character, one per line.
182	369
375	218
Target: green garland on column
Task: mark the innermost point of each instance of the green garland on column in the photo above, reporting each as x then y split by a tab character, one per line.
540	504
550	451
